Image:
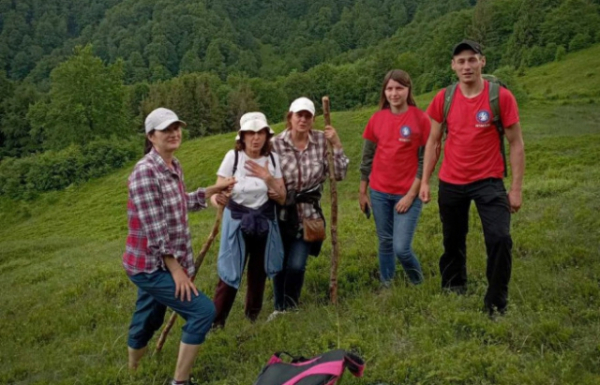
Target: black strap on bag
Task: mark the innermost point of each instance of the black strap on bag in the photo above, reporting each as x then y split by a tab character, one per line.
235	162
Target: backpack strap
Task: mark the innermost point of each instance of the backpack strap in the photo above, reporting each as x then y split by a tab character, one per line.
448	97
497	120
272	159
235	163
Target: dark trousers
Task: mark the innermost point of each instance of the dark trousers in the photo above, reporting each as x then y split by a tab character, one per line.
492	205
287	284
256	277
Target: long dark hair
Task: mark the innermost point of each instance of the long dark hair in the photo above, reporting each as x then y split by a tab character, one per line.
148	146
401	77
264	151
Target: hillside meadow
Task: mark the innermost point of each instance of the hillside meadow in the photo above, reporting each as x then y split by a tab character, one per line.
66	301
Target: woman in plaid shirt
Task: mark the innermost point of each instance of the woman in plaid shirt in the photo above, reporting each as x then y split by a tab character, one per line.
158	258
303	155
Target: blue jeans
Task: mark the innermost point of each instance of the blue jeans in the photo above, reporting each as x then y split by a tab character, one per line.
395	232
287	284
156	291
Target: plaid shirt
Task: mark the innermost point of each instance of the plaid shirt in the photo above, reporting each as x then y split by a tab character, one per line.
306	168
157	214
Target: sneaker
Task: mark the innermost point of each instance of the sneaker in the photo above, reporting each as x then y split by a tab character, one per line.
274	315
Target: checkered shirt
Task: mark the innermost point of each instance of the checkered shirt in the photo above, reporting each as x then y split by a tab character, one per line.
306	168
157	215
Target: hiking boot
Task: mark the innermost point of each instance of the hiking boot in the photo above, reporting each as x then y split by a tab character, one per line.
274	315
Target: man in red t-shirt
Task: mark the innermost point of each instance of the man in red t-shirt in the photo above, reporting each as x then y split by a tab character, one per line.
472	170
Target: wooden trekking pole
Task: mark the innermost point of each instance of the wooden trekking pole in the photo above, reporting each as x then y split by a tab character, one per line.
335	256
199	259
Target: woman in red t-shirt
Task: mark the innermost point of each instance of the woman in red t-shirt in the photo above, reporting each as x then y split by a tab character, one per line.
392	165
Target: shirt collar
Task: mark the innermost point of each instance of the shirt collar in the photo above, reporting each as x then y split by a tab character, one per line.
162	165
287	137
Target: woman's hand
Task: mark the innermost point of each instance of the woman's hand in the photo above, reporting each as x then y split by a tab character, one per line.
226	184
221	199
222	185
404	204
364	201
256	170
184	287
332	136
275	195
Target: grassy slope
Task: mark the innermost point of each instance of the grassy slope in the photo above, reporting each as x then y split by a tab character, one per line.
577	78
66	302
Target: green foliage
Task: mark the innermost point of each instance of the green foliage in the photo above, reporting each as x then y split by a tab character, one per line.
194	97
25	178
571	19
86	101
580	41
15	130
561	52
337	47
508	75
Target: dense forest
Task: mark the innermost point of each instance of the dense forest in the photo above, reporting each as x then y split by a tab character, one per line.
75	72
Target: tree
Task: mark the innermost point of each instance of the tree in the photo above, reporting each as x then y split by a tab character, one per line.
572	18
87	100
16	130
239	101
190	62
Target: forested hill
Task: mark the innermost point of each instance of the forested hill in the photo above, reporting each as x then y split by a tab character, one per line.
160	39
266	38
76	71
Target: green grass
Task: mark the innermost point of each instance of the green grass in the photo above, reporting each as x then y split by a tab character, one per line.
575	79
66	302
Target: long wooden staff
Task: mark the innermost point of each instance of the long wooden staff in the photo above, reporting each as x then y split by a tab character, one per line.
199	259
335	256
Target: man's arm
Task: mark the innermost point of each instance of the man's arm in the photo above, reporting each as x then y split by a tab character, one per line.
514	136
432	154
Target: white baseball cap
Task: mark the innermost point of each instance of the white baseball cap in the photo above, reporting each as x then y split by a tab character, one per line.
253	121
303	104
160	119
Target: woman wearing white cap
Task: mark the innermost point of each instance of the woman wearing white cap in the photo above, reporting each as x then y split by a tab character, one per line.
158	258
250	233
303	152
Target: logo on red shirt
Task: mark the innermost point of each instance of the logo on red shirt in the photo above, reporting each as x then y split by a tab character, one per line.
405	134
483	116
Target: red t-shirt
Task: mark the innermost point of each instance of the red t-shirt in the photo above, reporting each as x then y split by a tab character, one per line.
398	138
472	148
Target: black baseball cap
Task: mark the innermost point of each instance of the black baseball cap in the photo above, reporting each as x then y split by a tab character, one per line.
467	44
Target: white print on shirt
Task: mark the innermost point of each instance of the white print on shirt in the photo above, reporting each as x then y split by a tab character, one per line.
405	133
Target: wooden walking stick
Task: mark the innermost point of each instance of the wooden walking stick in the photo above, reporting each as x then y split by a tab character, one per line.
335	256
199	259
